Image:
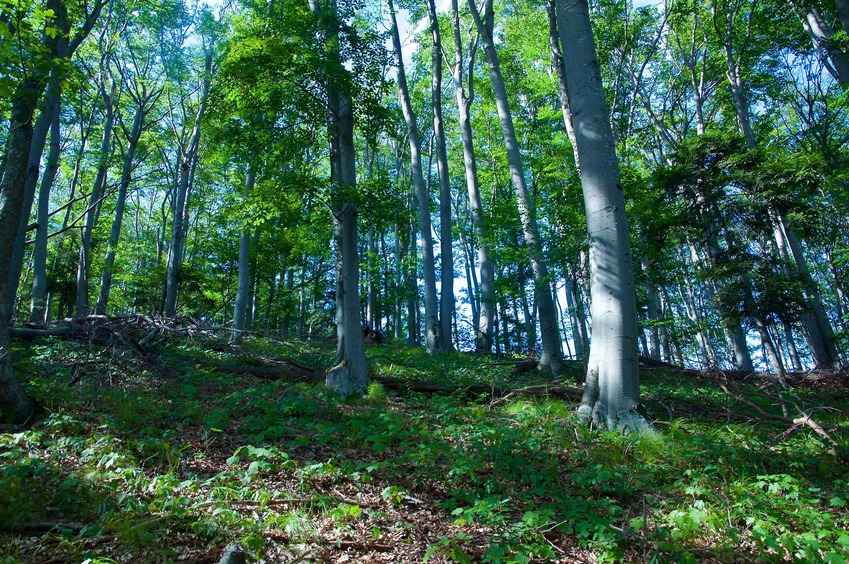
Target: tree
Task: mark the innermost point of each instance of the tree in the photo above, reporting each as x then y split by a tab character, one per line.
48	54
431	320
612	393
552	353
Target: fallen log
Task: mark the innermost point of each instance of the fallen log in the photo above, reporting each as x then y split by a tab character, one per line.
429	387
29	334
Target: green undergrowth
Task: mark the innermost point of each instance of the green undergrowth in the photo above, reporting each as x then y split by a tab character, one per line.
171	459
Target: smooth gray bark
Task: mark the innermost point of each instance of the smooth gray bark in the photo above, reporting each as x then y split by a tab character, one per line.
244	280
446	247
120	203
552	351
38	312
350	375
91	216
39	139
817	325
486	312
176	249
821	34
612	392
432	327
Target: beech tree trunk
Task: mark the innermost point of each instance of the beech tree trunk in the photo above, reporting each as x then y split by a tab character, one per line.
446	247
91	216
821	34
612	392
552	351
350	375
176	249
120	203
14	404
36	149
486	312
38	312
243	290
432	327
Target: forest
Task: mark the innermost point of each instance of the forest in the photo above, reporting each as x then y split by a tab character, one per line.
496	281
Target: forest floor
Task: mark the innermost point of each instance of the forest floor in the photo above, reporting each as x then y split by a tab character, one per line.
156	449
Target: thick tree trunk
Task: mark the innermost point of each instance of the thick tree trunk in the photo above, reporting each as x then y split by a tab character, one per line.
91	215
486	312
446	247
350	375
612	393
38	311
432	327
244	284
552	351
120	203
14	404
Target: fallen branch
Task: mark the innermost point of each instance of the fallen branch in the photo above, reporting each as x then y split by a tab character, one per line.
429	387
805	419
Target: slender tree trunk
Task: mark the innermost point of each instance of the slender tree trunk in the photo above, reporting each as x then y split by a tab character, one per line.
552	352
243	291
483	336
771	351
38	311
817	324
176	250
578	324
612	392
446	247
432	327
115	232
792	352
84	265
652	311
36	150
398	281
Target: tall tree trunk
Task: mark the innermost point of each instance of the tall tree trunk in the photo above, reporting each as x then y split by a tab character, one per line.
612	392
652	311
576	321
14	404
38	313
398	281
483	336
552	352
432	327
446	247
120	203
176	250
816	322
91	214
350	375
39	139
244	284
